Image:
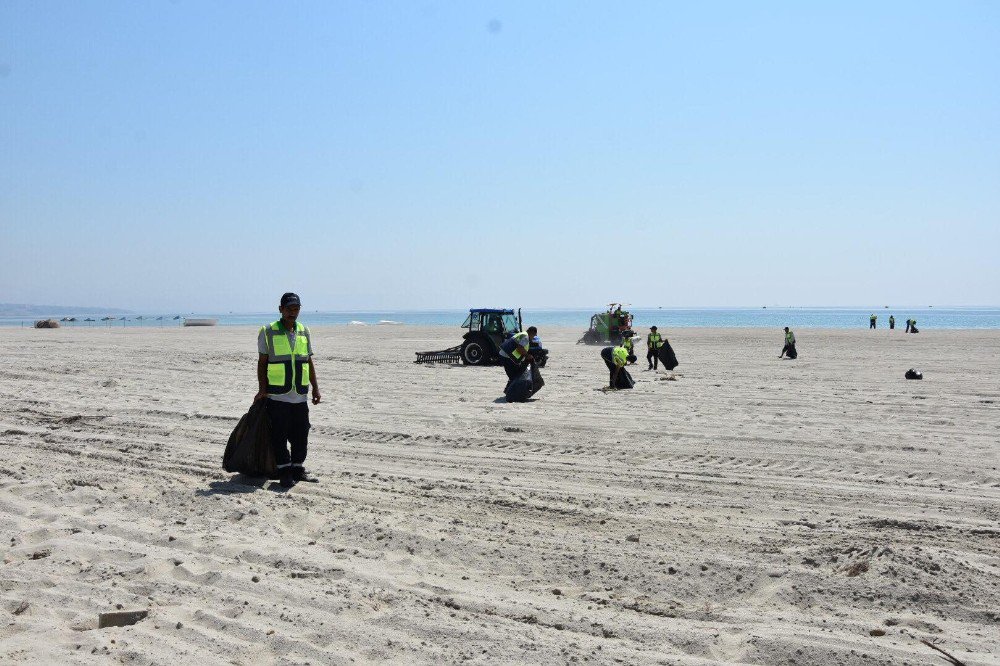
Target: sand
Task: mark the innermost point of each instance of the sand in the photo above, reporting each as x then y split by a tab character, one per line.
755	510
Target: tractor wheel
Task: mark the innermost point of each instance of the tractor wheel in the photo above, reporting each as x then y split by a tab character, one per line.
473	353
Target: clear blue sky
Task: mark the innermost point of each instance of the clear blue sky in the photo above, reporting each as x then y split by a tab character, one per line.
206	156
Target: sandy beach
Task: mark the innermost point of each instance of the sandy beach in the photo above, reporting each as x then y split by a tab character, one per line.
754	510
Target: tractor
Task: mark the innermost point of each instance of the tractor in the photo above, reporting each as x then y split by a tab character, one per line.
487	330
608	327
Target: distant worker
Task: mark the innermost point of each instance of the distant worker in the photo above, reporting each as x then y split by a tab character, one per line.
629	345
653	343
514	353
789	347
285	371
892	323
534	342
909	324
913	326
872	320
615	358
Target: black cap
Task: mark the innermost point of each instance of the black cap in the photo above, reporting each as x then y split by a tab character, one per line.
652	328
288	298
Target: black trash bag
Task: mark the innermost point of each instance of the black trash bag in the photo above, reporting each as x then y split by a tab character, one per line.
249	449
667	356
789	350
625	380
913	329
524	386
913	373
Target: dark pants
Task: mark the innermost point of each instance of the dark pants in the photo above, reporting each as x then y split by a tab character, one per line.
608	355
872	324
289	423
892	325
653	359
512	367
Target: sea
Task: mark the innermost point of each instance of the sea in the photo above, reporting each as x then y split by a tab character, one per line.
664	318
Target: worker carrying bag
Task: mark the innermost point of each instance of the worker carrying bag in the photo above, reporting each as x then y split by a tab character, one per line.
527	384
249	449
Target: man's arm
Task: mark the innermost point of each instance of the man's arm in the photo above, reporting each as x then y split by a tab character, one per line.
315	382
261	377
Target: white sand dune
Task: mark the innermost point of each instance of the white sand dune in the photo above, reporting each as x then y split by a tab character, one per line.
752	511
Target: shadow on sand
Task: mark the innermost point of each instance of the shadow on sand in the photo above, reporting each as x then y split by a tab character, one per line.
240	483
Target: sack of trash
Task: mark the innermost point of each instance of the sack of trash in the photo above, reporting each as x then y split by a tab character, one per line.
667	356
249	449
789	350
913	373
527	384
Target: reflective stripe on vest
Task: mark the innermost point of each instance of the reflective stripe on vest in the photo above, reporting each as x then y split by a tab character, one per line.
287	368
520	340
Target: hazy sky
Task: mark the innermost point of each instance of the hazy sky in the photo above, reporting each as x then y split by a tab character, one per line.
199	156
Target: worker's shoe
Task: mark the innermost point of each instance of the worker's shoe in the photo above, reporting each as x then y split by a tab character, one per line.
300	474
287	477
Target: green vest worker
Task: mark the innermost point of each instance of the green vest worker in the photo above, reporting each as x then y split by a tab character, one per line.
619	356
629	346
789	347
284	372
872	320
653	344
892	322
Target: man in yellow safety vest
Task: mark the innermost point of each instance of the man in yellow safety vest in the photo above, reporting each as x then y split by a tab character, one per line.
284	372
653	343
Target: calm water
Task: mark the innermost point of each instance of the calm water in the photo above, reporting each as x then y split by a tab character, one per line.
666	318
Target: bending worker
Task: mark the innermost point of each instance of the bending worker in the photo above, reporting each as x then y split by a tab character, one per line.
284	372
615	358
653	344
514	354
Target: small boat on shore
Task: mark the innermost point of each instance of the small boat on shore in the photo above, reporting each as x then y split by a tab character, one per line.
201	322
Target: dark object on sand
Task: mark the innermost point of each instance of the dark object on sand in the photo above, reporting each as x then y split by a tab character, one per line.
913	373
625	380
913	328
120	618
249	449
789	350
527	384
46	323
667	356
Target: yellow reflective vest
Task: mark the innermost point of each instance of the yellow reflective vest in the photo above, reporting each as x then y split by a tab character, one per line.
654	341
620	356
287	368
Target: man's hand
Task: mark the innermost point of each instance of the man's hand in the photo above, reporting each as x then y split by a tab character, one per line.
260	396
316	396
